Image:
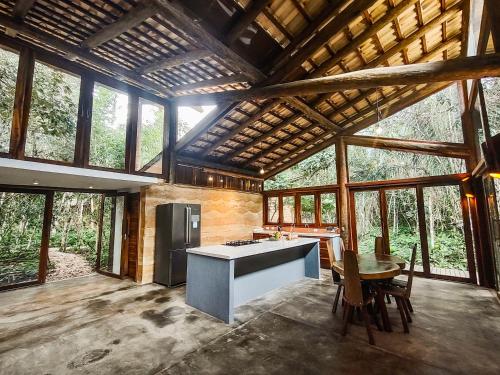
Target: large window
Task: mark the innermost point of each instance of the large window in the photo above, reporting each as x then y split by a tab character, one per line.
368	221
328	208
272	210
109	125
436	118
53	114
8	73
289	209
319	169
188	117
307	209
149	135
371	164
491	89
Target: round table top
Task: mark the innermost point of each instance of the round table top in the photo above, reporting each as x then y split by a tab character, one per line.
375	266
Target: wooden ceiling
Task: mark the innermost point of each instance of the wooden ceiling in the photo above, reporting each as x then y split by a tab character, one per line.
175	48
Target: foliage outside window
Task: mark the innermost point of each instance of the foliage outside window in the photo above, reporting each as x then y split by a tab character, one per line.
53	114
272	209
491	89
149	134
109	125
307	209
328	208
371	164
317	170
368	221
189	116
289	209
9	62
436	118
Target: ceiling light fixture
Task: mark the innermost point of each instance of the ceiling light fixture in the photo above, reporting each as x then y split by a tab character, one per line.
210	178
36	182
91	187
262	171
378	129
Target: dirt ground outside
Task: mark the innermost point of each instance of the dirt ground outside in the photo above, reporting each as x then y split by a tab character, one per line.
67	265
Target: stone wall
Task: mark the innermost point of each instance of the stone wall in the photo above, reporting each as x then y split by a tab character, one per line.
225	215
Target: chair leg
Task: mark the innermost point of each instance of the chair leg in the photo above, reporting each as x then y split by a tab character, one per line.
402	313
336	300
371	311
388	297
366	318
347	318
405	308
410	307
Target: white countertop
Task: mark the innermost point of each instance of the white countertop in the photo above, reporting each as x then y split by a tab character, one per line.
234	252
301	234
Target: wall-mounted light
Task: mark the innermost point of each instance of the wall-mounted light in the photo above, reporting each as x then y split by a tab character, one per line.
221	180
262	171
91	187
495	175
210	178
469	195
36	182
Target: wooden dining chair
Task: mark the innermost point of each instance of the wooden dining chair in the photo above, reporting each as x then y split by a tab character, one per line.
401	291
337	280
355	296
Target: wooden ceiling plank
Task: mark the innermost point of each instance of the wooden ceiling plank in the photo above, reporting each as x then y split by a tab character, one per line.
474	67
21	8
214	82
186	22
131	19
181	59
246	19
82	54
313	114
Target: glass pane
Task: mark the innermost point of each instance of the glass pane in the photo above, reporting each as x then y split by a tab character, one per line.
272	210
149	135
445	231
491	89
307	209
109	124
368	222
436	118
289	209
492	188
317	170
21	223
74	233
188	117
402	221
371	164
53	114
8	75
329	208
111	244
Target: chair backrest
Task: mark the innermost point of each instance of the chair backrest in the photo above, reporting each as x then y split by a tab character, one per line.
379	245
353	290
331	253
411	271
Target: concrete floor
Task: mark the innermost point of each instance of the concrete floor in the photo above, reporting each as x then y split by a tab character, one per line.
101	325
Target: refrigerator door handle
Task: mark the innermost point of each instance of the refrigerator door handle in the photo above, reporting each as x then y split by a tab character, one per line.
188	226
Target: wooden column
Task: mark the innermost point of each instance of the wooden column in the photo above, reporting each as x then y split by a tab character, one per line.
82	143
469	128
343	199
44	246
172	140
22	103
131	137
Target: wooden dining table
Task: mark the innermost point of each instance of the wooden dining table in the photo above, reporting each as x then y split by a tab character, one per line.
376	267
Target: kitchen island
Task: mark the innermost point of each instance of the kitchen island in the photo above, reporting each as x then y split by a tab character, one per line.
221	277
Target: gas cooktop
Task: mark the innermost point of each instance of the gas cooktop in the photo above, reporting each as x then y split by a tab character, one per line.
241	242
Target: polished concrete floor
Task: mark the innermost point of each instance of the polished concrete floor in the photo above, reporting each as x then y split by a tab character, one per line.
101	325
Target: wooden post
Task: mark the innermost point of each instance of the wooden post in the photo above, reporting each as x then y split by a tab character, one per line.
469	130
343	199
82	143
172	141
131	135
22	102
44	246
493	11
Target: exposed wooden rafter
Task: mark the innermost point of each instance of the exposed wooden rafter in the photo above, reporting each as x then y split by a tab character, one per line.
131	19
22	8
177	60
442	71
220	81
254	9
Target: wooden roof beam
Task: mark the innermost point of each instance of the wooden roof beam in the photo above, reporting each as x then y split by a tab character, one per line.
21	8
313	114
214	82
216	166
255	8
186	22
82	54
131	19
448	149
474	67
170	62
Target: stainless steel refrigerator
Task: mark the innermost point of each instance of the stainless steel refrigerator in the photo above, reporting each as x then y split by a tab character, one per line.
177	228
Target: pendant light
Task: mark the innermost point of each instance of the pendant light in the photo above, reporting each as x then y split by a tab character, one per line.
378	128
